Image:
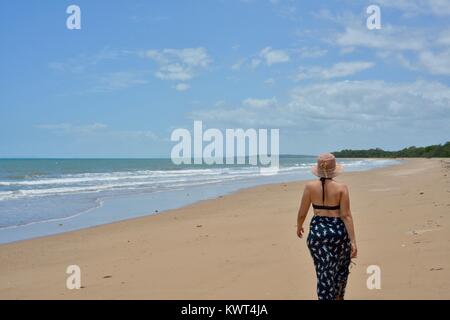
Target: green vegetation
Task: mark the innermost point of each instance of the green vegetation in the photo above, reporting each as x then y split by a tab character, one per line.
434	151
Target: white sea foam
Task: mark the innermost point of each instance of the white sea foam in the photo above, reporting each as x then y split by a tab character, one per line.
150	179
113	176
51	198
97	182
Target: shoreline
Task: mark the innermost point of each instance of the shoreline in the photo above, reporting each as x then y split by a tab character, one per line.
112	209
243	245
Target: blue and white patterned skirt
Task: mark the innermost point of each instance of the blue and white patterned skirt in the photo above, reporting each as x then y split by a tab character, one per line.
329	245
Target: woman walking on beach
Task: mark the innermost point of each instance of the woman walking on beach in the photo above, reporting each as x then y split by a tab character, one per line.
331	239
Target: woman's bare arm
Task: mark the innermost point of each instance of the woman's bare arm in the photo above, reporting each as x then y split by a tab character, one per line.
346	216
303	210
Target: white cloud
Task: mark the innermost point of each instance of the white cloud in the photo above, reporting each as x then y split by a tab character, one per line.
421	44
272	56
432	62
285	8
444	38
255	62
179	64
118	80
182	86
409	7
269	81
134	134
312	52
352	33
387	38
237	66
338	70
84	62
267	55
220	103
86	69
235	47
347	50
400	59
67	66
440	7
97	130
418	7
371	104
260	103
175	72
246	117
187	56
73	129
436	63
357	106
417	49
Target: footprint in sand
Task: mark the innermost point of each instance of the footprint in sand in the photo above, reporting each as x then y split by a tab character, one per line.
416	232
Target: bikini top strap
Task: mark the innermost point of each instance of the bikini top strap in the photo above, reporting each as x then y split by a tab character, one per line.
322	179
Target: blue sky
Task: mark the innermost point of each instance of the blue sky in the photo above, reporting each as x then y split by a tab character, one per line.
139	69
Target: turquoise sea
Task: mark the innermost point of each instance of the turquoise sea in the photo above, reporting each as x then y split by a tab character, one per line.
46	196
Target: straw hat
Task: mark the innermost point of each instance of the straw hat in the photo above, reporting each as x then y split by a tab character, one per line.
326	166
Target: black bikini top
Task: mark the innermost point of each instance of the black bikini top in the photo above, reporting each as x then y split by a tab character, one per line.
323	206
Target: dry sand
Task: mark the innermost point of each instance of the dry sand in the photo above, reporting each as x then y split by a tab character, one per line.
244	246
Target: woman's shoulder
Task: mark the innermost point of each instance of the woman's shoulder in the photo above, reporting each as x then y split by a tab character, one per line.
341	185
310	184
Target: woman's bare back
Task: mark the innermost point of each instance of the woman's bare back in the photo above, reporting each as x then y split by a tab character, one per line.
333	195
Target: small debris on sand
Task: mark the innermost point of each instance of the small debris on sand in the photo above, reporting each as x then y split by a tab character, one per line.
436	269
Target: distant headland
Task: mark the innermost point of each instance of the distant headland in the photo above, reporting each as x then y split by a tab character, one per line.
433	151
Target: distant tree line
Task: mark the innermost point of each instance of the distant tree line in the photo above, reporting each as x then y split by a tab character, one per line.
434	151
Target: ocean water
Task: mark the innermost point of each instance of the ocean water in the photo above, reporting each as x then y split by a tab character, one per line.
46	196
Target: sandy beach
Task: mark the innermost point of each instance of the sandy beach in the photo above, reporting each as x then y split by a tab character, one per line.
244	246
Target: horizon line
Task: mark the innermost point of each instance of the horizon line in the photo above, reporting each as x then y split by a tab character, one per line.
130	158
